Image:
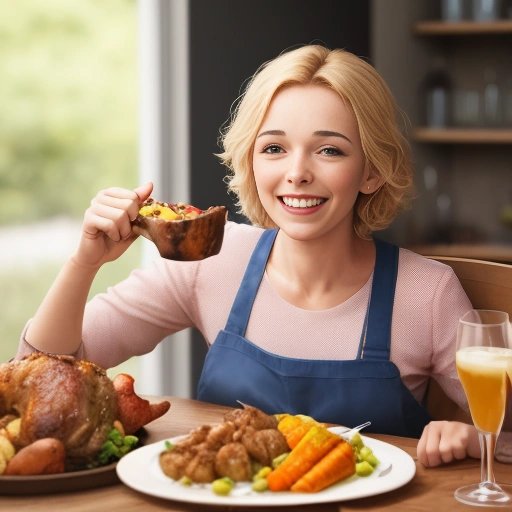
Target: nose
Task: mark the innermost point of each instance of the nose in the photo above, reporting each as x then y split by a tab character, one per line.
299	171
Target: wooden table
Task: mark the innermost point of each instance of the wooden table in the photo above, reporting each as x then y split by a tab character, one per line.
430	490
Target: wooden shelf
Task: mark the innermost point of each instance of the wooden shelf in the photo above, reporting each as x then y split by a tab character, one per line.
447	28
463	136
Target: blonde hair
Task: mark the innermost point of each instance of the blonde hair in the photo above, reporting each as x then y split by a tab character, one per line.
362	88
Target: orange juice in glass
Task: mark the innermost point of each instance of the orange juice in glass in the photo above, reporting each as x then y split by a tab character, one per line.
483	359
483	374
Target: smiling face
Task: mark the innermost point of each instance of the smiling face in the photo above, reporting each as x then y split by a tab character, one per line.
308	162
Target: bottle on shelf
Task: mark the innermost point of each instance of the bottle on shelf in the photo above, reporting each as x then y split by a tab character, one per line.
437	93
486	10
491	99
454	10
438	207
507	103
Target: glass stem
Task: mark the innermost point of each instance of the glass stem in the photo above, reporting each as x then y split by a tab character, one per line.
487	445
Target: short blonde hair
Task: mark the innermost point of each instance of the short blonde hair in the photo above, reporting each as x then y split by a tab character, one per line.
362	88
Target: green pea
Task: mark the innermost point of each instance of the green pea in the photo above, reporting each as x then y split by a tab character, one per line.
373	460
365	452
262	473
185	480
364	468
222	486
279	459
357	441
260	485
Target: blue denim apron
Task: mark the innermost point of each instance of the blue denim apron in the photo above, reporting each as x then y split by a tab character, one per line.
347	392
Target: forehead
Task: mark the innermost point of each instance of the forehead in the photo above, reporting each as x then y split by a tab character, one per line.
313	103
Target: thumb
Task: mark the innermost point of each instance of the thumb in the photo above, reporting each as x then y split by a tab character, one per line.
144	191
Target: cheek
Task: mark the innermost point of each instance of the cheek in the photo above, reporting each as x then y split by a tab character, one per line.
349	177
263	175
346	182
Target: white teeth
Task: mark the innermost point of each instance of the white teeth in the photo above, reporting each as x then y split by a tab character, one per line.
301	203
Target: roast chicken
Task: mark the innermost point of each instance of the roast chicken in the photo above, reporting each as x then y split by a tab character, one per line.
71	400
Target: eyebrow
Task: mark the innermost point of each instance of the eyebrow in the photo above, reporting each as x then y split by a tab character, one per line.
271	132
321	133
329	133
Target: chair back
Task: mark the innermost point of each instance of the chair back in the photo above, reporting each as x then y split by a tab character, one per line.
488	285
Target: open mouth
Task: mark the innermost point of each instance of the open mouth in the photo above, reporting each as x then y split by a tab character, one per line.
295	202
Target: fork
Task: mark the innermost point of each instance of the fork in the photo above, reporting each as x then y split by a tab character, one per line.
348	432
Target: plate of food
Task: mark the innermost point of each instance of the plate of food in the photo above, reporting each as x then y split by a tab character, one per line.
60	482
66	427
235	464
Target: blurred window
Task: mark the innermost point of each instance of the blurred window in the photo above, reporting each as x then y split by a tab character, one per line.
68	104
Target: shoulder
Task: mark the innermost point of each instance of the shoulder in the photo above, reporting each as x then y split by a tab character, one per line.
239	238
417	266
426	279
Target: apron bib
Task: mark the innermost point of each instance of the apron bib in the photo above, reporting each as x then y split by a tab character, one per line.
347	392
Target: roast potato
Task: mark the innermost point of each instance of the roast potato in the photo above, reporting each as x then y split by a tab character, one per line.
42	457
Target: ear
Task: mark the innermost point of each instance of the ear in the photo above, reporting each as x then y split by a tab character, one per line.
372	180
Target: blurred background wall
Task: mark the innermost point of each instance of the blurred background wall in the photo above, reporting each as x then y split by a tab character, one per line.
229	40
98	93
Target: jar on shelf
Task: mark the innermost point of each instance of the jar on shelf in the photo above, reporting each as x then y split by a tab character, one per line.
507	102
437	92
486	10
454	10
467	108
491	99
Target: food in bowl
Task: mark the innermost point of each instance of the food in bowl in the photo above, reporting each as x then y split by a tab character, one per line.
180	231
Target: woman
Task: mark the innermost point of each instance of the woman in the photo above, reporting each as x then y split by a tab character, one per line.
303	311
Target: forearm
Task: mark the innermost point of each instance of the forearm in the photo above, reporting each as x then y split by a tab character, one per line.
57	324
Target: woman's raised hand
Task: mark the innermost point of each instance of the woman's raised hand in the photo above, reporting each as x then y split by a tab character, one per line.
107	229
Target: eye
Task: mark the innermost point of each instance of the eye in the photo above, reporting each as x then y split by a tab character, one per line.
272	149
331	151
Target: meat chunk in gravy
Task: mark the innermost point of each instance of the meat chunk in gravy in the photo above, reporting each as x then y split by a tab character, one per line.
226	450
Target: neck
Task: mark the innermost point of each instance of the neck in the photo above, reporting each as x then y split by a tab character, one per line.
320	273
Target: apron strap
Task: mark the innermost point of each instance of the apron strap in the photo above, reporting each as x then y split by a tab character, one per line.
376	338
244	300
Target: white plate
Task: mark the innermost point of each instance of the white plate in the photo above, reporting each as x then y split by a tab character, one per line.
141	471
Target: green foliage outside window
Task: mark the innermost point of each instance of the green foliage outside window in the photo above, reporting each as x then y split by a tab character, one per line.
67	104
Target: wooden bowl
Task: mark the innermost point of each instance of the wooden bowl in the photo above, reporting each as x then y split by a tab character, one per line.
187	239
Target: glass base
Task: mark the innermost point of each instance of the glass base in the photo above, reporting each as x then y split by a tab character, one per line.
485	495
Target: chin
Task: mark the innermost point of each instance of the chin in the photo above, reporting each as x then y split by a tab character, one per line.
301	233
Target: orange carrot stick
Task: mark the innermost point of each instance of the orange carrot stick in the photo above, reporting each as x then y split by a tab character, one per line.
294	428
312	447
338	464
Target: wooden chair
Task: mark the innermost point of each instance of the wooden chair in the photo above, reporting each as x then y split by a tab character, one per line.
488	286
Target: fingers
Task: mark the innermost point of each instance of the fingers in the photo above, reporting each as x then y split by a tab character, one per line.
112	211
443	441
144	191
113	222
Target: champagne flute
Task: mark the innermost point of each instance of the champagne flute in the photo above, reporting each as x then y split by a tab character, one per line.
482	361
